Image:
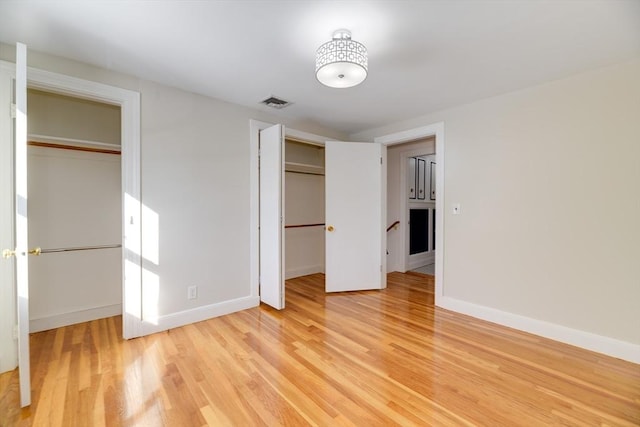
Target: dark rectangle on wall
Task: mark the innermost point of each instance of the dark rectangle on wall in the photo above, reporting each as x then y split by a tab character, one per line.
418	231
433	235
432	181
412	178
421	179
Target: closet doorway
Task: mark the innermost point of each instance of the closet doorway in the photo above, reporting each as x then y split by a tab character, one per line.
354	201
304	195
74	187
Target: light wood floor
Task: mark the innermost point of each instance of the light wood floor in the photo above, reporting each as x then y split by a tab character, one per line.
364	358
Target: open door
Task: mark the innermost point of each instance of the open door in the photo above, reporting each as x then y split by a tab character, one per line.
271	216
19	222
355	183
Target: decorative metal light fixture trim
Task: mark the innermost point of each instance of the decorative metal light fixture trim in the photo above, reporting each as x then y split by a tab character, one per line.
341	62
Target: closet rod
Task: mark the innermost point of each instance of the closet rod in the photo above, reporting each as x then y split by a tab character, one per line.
304	225
78	248
72	147
305	173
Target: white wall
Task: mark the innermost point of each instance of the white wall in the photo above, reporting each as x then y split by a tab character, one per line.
74	201
304	204
72	118
548	179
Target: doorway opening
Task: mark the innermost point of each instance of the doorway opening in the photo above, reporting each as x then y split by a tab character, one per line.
411	202
397	243
304	212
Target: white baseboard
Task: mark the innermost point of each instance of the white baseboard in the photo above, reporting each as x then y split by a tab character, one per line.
303	271
181	318
66	319
423	260
598	343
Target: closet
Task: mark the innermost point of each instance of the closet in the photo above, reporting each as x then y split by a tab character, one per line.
304	208
74	208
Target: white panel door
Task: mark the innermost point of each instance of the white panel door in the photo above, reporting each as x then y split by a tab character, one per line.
271	216
355	181
22	240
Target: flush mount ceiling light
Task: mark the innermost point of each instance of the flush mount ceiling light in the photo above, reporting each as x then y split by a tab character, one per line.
341	62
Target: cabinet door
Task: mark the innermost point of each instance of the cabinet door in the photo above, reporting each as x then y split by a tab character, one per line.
421	179
432	181
412	178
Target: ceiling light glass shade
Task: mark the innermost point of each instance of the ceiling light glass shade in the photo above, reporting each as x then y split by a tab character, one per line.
341	62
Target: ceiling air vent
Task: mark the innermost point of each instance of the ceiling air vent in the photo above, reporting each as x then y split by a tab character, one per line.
274	102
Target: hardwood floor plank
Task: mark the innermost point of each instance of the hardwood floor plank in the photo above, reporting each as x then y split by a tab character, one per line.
373	358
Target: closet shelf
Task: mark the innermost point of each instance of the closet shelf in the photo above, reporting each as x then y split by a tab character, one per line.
303	168
49	139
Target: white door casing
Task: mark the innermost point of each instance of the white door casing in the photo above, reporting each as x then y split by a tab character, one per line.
355	183
271	206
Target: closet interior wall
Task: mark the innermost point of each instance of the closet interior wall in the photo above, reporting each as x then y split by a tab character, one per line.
304	209
74	187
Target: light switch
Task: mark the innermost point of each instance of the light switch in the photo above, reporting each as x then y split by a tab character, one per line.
456	208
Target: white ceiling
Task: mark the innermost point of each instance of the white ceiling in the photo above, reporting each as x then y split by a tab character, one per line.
423	55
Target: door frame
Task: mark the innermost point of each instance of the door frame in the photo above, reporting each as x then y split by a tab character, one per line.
129	103
433	130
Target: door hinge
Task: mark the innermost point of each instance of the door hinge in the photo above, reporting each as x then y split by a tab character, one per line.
13	111
15	332
380	160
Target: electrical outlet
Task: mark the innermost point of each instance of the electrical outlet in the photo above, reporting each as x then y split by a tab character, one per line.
192	292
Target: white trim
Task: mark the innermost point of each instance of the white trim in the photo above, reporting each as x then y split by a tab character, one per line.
598	343
73	317
437	130
198	314
305	137
129	102
255	126
420	260
303	271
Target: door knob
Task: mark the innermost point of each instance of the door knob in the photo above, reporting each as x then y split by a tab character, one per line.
8	253
330	228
